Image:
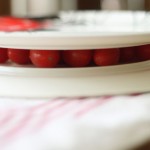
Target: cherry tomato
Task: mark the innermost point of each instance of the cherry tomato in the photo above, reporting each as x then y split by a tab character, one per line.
3	55
143	52
127	54
77	58
106	57
17	24
45	58
19	56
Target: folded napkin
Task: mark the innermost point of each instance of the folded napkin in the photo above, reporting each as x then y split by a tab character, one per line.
95	123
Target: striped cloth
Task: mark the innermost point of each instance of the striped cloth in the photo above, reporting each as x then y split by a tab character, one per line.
106	123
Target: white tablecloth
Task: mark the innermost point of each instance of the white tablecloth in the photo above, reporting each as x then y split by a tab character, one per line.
97	123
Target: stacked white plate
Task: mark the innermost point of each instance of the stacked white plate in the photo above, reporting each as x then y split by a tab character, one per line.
107	30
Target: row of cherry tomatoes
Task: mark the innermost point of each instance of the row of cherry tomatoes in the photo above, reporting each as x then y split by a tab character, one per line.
75	58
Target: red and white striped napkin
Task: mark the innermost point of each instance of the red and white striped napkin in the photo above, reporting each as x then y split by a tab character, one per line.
106	123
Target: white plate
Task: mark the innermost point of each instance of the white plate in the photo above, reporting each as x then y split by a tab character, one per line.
106	30
95	81
67	41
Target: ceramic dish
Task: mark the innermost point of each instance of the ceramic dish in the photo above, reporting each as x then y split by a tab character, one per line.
61	82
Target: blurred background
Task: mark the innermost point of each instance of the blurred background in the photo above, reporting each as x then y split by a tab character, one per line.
15	7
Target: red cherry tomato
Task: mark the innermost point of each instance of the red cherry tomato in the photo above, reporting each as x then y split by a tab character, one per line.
143	53
77	58
106	57
19	56
127	54
45	58
17	24
3	55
